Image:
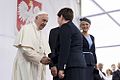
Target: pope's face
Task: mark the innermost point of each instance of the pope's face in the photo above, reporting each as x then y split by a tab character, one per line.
42	20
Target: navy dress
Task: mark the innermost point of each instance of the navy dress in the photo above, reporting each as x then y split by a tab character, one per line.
90	57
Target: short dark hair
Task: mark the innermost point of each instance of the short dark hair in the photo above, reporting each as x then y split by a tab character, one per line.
67	13
85	19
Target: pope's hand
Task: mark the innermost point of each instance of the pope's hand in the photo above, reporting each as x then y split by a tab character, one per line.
45	60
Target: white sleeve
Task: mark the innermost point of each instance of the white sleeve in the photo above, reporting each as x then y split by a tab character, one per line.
31	55
102	75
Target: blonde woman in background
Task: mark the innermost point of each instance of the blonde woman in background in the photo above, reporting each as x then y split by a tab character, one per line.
109	74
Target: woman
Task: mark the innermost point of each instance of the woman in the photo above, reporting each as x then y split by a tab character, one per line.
109	74
88	48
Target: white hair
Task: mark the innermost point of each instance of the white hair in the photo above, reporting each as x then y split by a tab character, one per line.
40	12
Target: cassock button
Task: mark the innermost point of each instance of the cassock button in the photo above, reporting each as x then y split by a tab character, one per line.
39	47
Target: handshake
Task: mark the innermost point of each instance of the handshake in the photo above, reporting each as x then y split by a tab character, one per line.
52	58
45	60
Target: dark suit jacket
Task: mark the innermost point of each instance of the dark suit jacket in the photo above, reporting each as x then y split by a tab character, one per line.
90	58
96	75
70	54
116	75
54	45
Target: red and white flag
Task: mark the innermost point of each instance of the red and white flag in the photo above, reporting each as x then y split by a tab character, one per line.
26	9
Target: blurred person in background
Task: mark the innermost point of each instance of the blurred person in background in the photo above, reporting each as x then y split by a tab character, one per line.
109	74
101	73
113	67
100	67
116	74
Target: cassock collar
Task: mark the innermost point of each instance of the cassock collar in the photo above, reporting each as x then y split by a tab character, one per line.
35	26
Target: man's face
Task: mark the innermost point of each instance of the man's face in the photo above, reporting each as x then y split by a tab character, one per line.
118	65
60	20
100	66
113	67
42	20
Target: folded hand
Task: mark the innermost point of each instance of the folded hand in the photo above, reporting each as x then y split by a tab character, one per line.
61	74
54	71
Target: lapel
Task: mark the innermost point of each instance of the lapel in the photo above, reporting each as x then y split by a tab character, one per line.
86	42
92	41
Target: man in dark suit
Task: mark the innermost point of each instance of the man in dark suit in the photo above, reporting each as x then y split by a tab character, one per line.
116	74
70	60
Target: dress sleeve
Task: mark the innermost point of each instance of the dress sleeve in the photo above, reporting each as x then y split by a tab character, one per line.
31	55
95	57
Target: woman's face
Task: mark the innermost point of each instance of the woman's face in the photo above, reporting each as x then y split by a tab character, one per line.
84	26
109	72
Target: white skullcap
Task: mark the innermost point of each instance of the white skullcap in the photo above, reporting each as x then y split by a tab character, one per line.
40	12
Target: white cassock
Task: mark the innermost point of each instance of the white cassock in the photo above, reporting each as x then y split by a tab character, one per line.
27	64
